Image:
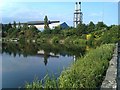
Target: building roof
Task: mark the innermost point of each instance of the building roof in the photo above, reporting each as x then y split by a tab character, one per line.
38	22
64	25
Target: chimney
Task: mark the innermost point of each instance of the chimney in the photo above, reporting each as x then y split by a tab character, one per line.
76	6
79	6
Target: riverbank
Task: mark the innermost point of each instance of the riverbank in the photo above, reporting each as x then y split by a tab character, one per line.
86	72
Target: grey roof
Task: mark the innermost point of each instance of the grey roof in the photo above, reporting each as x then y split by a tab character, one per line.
38	22
64	25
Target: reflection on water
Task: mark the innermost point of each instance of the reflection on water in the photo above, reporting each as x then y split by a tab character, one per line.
23	61
42	50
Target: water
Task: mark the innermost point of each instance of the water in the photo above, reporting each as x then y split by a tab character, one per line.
23	62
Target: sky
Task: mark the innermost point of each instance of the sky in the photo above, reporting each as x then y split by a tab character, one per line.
119	13
62	11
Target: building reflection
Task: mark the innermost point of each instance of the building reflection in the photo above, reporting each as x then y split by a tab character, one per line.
43	50
46	55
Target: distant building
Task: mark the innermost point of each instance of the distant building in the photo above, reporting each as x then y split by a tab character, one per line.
40	24
53	25
64	25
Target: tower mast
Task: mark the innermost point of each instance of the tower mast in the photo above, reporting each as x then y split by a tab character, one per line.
78	16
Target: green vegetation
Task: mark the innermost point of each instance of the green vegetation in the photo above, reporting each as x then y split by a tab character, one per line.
20	32
26	49
86	72
99	33
46	23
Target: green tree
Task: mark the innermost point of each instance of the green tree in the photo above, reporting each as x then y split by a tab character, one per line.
31	32
25	26
100	25
119	32
33	28
14	33
14	24
10	31
90	27
81	29
46	23
109	36
9	26
19	25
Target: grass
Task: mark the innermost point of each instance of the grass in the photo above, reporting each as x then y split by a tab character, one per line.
46	82
86	72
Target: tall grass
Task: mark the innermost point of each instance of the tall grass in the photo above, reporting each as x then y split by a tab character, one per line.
46	82
86	72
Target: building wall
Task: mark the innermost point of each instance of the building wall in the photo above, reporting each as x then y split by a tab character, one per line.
52	26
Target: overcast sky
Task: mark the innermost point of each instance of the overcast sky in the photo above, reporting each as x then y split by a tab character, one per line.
62	11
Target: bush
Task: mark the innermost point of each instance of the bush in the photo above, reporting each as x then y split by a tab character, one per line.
90	40
81	42
55	39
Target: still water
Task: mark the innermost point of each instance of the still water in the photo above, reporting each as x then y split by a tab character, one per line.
23	62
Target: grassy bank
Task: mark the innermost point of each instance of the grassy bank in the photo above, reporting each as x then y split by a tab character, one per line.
86	72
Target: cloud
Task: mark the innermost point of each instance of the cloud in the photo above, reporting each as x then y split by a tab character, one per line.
20	14
60	0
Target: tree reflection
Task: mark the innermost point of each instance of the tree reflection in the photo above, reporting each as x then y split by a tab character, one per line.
31	49
46	56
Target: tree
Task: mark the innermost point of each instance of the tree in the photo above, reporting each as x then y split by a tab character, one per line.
32	32
10	31
33	28
90	27
9	26
46	23
100	25
14	33
119	32
25	26
5	29
19	25
81	29
14	24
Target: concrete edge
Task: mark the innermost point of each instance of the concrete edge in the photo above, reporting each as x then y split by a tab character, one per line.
110	80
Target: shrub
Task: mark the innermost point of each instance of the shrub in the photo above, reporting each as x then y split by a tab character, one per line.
55	39
81	42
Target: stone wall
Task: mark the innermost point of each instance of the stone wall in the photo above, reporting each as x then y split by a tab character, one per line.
111	74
